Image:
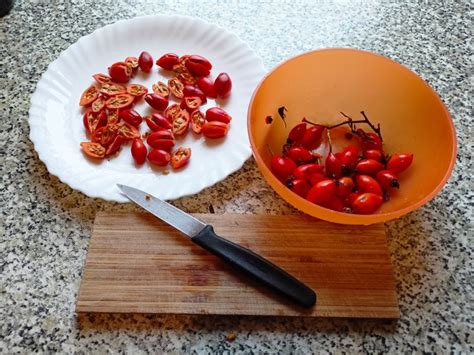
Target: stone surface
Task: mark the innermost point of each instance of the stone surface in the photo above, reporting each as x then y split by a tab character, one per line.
46	226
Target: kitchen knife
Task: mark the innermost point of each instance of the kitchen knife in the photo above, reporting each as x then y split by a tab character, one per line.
242	258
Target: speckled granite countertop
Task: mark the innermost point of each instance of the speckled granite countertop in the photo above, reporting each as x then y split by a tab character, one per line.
46	226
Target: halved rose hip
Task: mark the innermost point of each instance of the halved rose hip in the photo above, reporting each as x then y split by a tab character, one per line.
145	61
180	157
167	61
111	89
89	95
181	122
159	157
215	129
176	87
191	103
223	85
119	101
218	114
137	90
120	72
197	121
190	90
156	101
207	87
131	116
160	88
198	65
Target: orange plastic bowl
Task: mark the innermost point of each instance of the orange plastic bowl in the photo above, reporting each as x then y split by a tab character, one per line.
319	85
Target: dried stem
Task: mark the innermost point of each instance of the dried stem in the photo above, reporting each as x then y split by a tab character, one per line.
351	123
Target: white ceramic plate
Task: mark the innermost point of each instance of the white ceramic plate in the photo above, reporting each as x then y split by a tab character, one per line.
56	127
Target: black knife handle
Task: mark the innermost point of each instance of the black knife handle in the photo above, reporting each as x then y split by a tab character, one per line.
256	266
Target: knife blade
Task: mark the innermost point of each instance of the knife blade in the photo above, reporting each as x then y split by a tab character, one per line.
241	258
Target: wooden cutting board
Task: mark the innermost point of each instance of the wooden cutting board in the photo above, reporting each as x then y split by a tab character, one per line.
138	264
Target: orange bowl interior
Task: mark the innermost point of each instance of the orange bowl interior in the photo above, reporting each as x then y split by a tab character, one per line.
319	85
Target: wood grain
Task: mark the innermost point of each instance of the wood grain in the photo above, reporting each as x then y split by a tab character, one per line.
136	263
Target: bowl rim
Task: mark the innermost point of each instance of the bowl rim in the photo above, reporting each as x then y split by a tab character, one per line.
341	217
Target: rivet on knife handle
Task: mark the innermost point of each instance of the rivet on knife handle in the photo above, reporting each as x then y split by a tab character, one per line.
256	266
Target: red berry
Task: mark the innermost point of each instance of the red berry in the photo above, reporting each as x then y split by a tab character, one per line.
387	179
297	132
367	203
365	183
369	166
399	162
322	192
282	167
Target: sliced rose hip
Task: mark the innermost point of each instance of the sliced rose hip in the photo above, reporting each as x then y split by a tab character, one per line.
131	116
89	95
223	85
180	157
159	157
167	61
115	145
98	105
198	65
190	90
197	121
161	120
132	62
105	135
172	111
127	131
217	114
160	88
101	78
215	129
120	72
139	151
186	79
93	150
156	101
119	101
145	62
112	116
111	89
191	103
207	87
180	122
137	90
176	87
